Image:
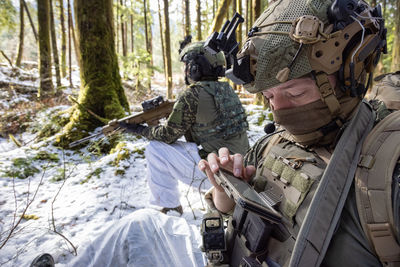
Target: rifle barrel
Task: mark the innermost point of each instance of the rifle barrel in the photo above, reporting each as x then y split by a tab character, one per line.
80	141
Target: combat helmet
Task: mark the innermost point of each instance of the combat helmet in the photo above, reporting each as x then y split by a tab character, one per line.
200	64
315	38
294	38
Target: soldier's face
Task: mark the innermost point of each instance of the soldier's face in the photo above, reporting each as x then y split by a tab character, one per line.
294	93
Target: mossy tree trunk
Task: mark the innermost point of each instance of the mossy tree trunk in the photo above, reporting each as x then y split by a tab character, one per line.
63	40
46	85
167	47
21	34
101	88
54	45
220	16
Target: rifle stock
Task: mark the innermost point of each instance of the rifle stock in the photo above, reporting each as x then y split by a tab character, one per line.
150	116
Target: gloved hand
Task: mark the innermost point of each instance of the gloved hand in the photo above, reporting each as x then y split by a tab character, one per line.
132	127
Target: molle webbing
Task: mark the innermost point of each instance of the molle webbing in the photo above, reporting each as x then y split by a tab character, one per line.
231	118
327	204
374	179
288	174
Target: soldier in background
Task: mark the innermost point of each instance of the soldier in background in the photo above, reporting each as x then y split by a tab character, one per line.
386	90
332	169
208	113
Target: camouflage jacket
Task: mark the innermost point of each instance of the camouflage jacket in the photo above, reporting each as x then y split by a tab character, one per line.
185	116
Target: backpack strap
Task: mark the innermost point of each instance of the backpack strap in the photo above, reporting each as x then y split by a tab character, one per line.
327	204
374	178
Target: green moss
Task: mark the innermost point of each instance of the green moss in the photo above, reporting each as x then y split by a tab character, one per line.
270	116
44	155
21	168
123	153
261	119
60	176
53	125
96	173
120	172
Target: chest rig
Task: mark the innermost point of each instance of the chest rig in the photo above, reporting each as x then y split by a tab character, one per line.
309	194
229	119
287	176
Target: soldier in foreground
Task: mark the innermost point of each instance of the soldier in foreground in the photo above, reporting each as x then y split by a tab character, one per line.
330	174
208	113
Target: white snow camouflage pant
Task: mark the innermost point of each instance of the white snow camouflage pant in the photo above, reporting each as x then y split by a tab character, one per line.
144	238
168	163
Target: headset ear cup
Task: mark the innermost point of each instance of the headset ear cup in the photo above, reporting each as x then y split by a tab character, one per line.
195	71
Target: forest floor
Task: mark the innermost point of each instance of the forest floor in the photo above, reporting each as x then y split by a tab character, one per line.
58	201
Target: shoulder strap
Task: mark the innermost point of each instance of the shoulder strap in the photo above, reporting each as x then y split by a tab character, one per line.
374	177
327	204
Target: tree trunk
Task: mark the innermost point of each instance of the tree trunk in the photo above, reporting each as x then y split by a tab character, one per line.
198	19
214	8
251	20
373	3
69	44
101	88
256	10
220	16
146	31
132	35
187	18
239	30
396	40
46	85
75	40
148	43
122	22
30	20
168	71
117	31
161	36
54	45
63	41
21	34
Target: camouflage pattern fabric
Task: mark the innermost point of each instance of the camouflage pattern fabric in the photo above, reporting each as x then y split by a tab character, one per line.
195	107
180	120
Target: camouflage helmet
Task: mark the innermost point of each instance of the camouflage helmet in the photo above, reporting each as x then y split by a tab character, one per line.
197	48
291	39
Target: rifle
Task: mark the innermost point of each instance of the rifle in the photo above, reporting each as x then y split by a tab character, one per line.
153	110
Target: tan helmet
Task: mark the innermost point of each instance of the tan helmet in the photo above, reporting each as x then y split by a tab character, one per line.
294	38
201	65
215	60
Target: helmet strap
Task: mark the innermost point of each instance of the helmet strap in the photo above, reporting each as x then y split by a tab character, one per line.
327	93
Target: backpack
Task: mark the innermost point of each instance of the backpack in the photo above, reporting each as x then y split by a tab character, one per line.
374	191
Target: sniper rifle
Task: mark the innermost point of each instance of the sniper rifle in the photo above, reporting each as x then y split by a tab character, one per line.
153	110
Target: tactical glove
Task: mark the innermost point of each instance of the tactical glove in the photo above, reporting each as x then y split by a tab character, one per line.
132	128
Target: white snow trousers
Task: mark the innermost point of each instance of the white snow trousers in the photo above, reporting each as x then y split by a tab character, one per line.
144	238
168	163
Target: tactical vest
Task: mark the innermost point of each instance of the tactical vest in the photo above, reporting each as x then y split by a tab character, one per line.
310	190
229	118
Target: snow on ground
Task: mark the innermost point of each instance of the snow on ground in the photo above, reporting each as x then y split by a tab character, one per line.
95	193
